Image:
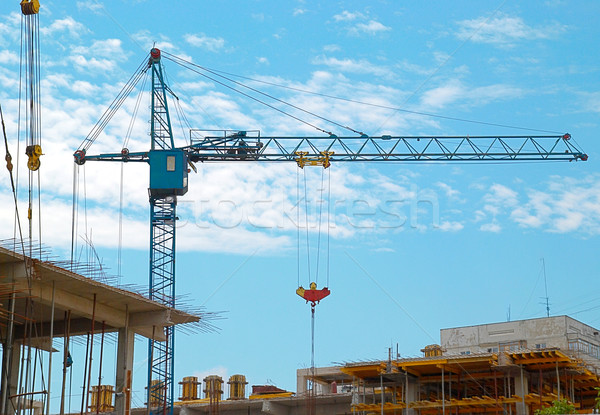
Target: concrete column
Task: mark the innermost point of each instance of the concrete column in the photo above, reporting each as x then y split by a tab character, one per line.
124	365
11	357
301	379
522	389
412	394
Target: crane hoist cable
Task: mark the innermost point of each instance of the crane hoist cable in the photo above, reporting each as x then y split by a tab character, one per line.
324	160
30	71
29	88
30	37
31	126
313	295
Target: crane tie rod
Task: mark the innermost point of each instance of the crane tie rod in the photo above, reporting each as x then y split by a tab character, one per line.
114	106
183	63
372	104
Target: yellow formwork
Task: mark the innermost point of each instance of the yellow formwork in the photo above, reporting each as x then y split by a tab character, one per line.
102	397
213	387
237	387
189	388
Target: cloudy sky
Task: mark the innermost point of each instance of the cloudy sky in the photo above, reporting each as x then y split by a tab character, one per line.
412	248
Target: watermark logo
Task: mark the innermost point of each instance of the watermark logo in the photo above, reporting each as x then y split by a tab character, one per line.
418	209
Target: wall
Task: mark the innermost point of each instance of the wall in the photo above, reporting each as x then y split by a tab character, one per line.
551	332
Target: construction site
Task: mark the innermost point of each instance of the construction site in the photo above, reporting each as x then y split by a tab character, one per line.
514	367
49	303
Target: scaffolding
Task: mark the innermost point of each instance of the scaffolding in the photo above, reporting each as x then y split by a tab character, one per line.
511	382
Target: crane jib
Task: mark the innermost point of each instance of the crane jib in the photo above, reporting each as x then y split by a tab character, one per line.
382	148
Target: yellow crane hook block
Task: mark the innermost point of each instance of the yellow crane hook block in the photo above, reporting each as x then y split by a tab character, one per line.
33	152
30	7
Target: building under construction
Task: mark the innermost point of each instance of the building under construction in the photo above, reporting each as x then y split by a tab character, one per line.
42	301
510	368
514	367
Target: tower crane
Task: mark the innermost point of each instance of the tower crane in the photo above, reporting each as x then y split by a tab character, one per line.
169	179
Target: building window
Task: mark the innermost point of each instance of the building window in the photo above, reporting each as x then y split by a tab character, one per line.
513	346
465	352
540	346
585	347
170	163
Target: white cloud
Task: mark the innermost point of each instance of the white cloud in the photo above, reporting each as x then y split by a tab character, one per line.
10	27
299	11
84	88
450	226
365	24
444	95
68	24
91	6
355	66
448	190
499	198
106	48
568	205
502	194
212	44
262	60
383	249
454	91
372	27
81	63
562	205
504	30
347	16
8	57
491	227
591	101
149	39
498	201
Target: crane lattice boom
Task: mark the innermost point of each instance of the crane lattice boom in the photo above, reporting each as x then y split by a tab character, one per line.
239	146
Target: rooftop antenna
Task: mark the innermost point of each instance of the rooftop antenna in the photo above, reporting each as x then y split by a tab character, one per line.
508	314
546	288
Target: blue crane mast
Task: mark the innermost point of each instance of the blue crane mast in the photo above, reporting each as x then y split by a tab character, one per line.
169	179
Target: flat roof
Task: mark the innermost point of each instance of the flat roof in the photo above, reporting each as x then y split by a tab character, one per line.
115	307
563	316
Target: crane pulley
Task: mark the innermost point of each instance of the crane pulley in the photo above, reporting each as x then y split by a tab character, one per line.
302	159
29	7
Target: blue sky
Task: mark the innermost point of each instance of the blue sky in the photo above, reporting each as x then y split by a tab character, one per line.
413	248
